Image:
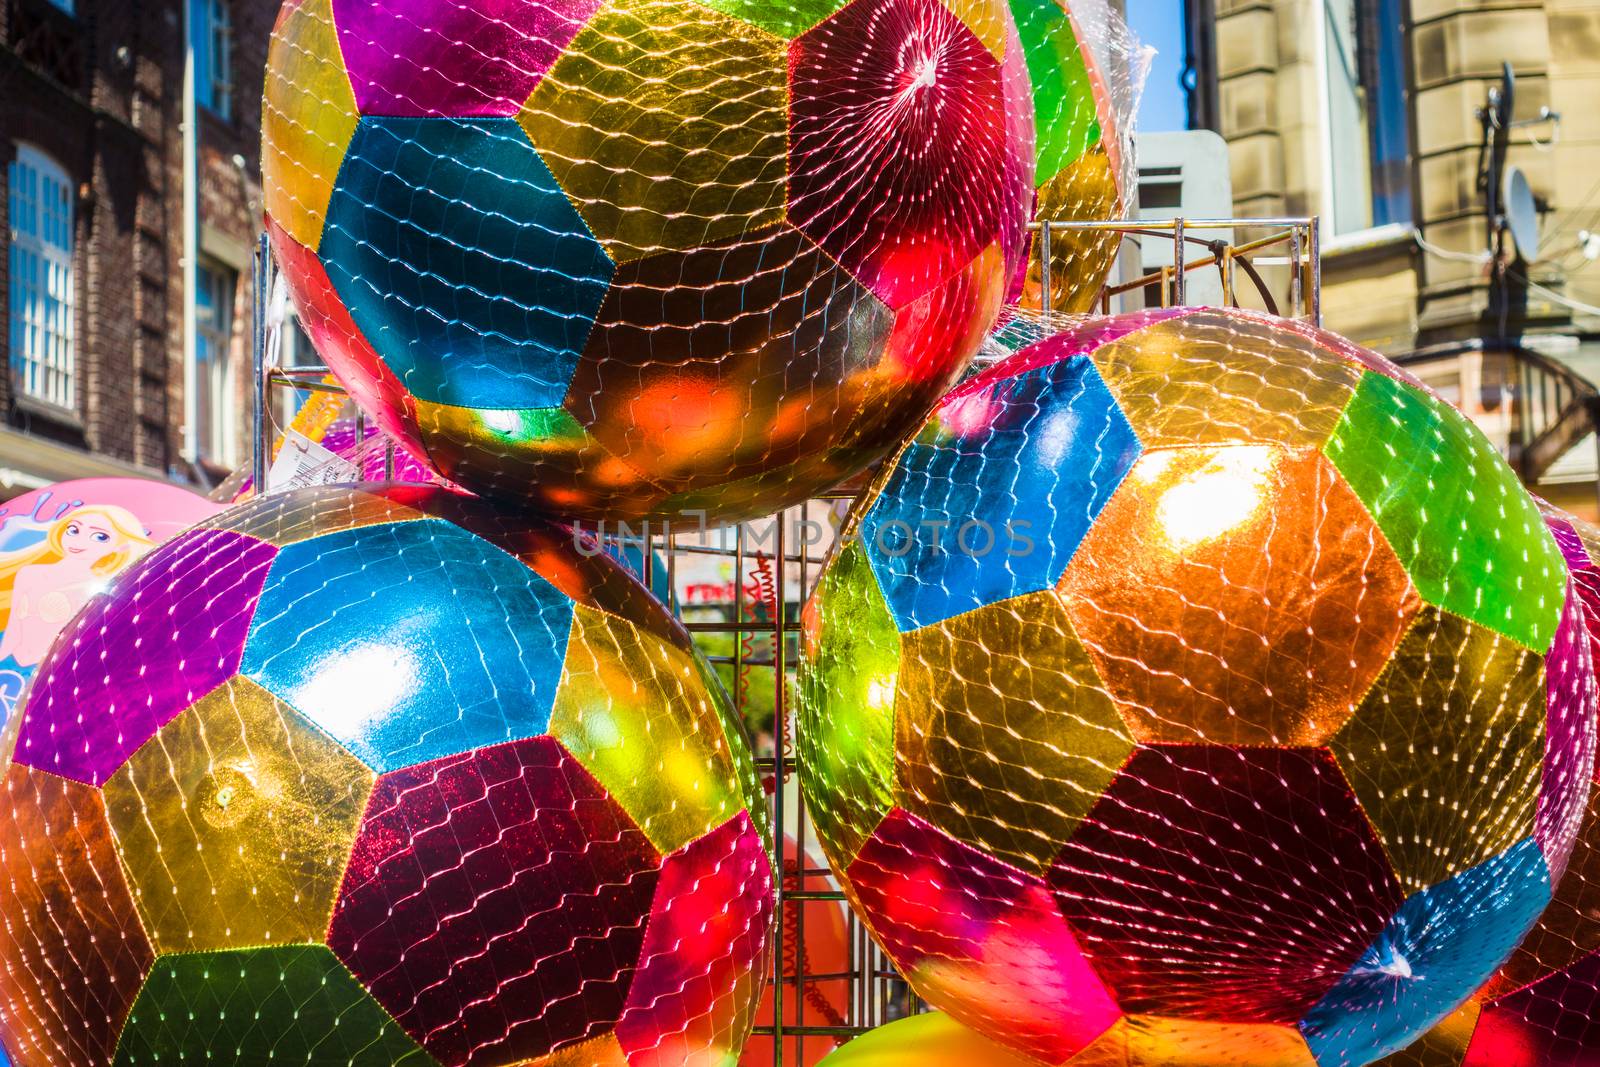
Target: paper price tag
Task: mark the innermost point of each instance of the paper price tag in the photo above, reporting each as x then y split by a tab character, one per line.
303	462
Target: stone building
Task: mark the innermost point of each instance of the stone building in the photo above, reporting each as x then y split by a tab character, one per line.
91	202
1367	113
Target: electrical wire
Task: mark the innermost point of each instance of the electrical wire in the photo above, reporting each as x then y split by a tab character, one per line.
1555	297
1450	254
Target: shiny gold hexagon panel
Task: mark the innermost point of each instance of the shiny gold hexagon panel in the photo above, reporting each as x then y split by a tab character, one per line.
234	823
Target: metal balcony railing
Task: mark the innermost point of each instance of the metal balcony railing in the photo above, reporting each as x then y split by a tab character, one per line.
1536	408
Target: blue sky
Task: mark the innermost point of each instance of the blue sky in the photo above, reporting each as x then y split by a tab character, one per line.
1159	23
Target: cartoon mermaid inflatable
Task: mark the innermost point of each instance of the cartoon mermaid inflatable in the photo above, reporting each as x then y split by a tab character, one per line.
44	585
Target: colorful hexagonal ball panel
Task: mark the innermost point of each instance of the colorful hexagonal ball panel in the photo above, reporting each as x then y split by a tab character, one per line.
1570	704
1579	542
1446	751
638	715
172	631
1237	594
427	640
1256	866
73	953
852	661
462	261
962	927
991	704
705	951
995	494
664	122
1466	530
1441	944
293	1003
308	116
496	902
234	823
478	57
892	155
1214	377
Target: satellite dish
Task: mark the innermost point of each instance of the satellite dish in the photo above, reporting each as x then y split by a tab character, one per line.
1522	217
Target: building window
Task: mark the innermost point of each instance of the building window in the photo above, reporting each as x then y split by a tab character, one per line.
1369	144
42	297
211	24
219	423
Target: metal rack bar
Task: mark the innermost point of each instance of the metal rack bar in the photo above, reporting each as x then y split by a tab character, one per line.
1173	223
1300	233
261	445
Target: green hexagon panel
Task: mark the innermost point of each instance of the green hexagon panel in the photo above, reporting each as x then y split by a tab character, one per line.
234	823
786	19
1005	735
1446	750
848	675
1065	117
1465	529
290	1004
666	123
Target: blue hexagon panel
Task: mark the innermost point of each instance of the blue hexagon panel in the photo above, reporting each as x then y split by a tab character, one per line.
1019	467
427	641
1442	944
462	261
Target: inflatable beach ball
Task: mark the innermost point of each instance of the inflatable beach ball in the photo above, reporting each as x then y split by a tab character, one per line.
375	777
1195	680
647	257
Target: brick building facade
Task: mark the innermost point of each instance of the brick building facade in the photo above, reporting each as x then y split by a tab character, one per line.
91	104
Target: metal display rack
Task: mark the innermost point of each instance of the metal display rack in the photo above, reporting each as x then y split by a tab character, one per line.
1298	237
773	565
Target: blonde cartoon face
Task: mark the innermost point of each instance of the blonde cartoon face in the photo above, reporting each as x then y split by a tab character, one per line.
90	539
43	586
